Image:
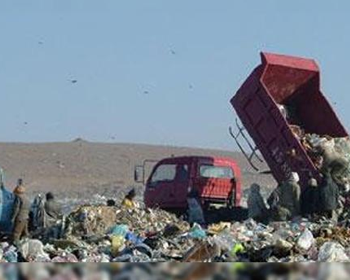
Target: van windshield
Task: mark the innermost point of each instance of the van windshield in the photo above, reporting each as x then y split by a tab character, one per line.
210	171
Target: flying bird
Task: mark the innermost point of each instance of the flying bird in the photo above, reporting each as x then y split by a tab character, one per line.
146	92
172	52
74	81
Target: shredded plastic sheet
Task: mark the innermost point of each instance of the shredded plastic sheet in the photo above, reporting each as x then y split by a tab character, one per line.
6	207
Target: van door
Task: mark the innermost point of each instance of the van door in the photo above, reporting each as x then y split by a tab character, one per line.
168	185
160	185
215	181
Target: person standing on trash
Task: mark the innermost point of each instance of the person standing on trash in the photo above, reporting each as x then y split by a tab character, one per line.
20	215
195	211
128	200
329	196
333	162
257	209
309	198
52	207
276	211
285	199
53	216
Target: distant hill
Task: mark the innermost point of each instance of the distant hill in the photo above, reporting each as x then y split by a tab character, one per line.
83	168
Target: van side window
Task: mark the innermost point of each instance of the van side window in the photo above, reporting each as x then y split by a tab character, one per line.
210	171
164	173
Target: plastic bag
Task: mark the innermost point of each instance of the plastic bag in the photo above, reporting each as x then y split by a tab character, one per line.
197	232
118	244
11	256
332	252
225	240
305	240
7	199
134	239
33	249
121	230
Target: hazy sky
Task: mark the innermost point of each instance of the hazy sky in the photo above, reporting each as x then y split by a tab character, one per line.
157	71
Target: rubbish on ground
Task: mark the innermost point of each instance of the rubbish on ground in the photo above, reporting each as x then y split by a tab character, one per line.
197	232
118	244
105	234
305	240
32	250
332	252
202	252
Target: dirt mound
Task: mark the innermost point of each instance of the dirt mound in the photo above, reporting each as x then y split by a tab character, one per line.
82	168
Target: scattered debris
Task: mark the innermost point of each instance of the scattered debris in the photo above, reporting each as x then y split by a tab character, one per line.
97	233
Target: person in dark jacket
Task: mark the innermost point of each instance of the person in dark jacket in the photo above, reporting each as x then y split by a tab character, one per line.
309	198
53	216
195	210
329	195
52	207
285	199
20	215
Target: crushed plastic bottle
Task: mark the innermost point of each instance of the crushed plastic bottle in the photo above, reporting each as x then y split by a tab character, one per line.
225	240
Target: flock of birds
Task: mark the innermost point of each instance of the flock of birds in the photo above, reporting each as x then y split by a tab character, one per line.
146	92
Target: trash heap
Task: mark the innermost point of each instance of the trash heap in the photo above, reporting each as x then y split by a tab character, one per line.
327	152
113	234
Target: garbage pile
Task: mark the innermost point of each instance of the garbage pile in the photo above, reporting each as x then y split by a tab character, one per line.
327	153
114	234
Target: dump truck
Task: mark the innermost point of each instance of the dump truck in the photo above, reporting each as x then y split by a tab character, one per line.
283	83
217	180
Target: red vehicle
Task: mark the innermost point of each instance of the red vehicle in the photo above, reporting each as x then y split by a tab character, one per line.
218	180
292	82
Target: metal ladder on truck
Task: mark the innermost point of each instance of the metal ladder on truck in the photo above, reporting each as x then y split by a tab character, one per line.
251	155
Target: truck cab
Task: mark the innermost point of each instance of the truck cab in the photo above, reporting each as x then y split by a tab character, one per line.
217	179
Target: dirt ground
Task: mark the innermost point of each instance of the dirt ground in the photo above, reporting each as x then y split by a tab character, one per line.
83	170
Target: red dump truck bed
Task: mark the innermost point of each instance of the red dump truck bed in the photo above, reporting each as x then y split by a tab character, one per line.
295	83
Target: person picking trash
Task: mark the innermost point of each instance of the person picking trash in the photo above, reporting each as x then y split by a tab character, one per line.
285	199
128	200
20	215
257	209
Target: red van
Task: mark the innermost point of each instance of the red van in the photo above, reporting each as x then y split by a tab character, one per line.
217	179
